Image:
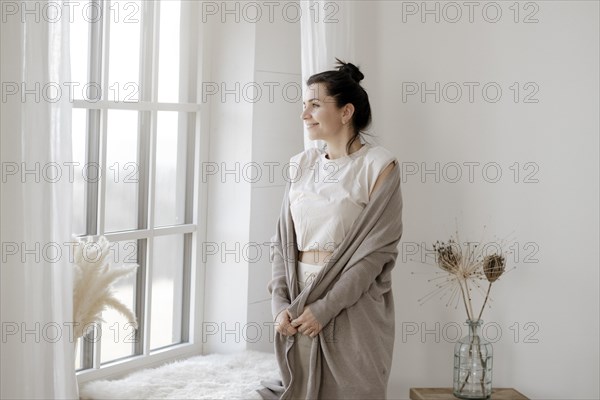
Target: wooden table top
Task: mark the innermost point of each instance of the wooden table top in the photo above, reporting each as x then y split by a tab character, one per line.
446	394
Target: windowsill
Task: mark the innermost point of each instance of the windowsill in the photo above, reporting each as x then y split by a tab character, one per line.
122	367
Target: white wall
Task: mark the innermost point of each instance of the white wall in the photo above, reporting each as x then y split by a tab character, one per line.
252	135
277	135
555	220
228	60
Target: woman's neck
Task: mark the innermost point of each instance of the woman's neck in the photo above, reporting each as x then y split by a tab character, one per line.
338	149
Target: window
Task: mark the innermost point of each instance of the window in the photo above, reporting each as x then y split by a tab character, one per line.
135	128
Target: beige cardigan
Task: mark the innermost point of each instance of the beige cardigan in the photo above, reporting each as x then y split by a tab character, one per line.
351	297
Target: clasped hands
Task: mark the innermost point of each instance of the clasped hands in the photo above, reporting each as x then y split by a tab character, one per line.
306	324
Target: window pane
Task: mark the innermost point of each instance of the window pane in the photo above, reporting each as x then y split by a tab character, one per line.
118	338
167	289
122	171
79	42
80	172
170	169
124	50
168	69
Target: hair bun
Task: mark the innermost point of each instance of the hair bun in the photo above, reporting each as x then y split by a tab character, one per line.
351	70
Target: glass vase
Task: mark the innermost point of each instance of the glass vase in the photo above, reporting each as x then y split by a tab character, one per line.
473	365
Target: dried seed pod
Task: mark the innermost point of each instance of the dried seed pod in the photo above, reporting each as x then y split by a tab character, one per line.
493	266
448	258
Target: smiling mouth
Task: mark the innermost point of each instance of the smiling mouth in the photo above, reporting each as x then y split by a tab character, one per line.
308	126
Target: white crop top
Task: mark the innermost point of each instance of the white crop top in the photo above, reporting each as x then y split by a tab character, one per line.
326	196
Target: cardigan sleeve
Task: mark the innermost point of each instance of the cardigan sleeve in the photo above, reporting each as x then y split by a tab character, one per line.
277	287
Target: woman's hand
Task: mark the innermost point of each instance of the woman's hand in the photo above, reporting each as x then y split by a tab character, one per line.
283	325
307	324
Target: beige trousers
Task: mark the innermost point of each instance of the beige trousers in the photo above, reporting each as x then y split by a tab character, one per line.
303	343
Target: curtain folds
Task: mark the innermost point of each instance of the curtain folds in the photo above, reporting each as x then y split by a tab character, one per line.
327	32
35	210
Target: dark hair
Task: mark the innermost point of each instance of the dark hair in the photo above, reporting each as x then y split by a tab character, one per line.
344	86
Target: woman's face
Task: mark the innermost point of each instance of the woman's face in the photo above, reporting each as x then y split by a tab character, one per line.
321	116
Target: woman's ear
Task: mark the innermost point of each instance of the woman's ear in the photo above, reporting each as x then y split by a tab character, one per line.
347	113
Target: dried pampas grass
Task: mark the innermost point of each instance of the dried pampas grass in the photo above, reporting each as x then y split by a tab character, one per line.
92	287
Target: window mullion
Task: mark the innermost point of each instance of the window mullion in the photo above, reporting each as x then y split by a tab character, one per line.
188	69
187	85
147	136
93	125
102	78
90	346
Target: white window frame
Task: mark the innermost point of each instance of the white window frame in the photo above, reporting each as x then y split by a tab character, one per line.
195	209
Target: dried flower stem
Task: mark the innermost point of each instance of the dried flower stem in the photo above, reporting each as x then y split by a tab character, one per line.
485	301
462	290
470	315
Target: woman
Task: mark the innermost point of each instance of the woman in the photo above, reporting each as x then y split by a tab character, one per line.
333	252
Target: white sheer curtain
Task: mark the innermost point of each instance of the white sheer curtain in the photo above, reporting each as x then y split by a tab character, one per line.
327	32
36	282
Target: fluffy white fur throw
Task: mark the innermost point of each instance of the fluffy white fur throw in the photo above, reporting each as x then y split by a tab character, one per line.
213	376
